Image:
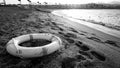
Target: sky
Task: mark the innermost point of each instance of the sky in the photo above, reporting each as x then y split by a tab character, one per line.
60	1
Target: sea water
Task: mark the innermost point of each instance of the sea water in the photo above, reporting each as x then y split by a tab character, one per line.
107	16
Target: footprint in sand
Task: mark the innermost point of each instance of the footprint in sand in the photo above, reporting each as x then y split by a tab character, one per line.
82	46
76	62
73	30
87	54
83	60
54	23
54	28
68	62
80	58
61	33
86	51
113	43
95	39
98	55
70	40
61	29
82	34
70	35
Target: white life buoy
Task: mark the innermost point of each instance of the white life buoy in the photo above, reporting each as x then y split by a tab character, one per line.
28	52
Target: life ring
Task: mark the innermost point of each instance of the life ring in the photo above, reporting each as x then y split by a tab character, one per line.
15	49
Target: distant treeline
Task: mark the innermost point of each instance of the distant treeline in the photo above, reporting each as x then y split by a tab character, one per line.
74	6
82	6
8	5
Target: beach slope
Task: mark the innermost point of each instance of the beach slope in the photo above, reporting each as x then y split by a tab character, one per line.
83	46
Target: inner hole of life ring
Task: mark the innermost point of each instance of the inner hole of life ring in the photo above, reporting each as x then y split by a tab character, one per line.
35	43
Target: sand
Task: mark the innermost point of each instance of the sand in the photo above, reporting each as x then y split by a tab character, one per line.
84	47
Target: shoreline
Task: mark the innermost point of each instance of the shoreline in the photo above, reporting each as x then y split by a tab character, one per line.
111	26
99	27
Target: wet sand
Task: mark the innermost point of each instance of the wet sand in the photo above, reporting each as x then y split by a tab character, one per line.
84	47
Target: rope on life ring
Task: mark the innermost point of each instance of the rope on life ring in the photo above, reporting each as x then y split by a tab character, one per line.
27	52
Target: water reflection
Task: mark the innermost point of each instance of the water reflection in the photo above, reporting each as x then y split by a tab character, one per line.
109	16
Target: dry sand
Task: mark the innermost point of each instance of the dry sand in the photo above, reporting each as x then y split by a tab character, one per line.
84	47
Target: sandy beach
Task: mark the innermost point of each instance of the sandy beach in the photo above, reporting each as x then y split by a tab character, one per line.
84	47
